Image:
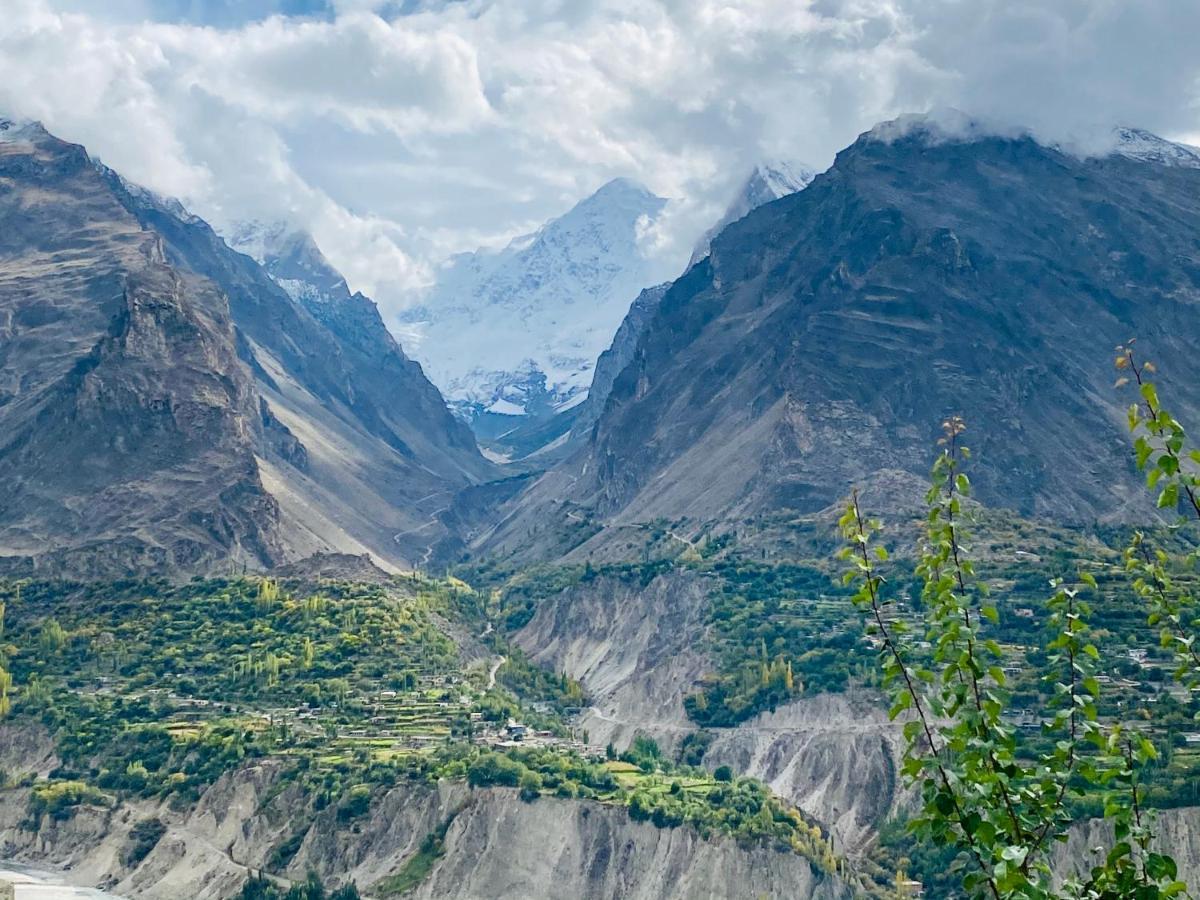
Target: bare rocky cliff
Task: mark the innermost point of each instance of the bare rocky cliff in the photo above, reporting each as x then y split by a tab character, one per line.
130	428
563	851
633	647
613	360
836	756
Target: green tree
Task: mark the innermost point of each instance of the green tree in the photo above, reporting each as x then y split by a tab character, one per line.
53	638
998	803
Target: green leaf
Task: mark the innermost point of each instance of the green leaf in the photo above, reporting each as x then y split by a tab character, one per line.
1142	451
1169	498
1014	854
903	702
1148	750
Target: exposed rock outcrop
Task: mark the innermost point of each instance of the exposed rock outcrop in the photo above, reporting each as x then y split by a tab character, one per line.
636	649
835	756
130	427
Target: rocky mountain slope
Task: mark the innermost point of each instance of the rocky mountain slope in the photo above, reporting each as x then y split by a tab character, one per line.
618	355
130	427
168	405
516	332
546	432
829	333
769	181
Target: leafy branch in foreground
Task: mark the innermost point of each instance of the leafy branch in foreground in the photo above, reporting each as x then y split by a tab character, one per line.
985	794
1160	577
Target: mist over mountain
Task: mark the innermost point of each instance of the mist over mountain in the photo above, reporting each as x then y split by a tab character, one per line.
646	565
769	181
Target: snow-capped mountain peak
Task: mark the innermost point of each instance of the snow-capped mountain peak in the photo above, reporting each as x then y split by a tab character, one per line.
292	259
1136	143
951	125
766	182
775	179
525	324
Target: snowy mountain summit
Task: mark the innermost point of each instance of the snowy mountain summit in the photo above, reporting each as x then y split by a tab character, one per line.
768	181
955	126
1136	143
517	331
292	259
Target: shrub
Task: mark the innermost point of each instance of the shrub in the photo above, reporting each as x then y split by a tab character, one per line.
58	799
143	837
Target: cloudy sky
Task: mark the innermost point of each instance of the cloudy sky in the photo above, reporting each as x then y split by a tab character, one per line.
399	132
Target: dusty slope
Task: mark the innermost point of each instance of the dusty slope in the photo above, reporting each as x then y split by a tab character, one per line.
632	646
636	650
166	405
379	454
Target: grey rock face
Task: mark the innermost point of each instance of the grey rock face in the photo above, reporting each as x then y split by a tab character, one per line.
497	847
634	647
129	425
637	649
768	181
829	333
616	358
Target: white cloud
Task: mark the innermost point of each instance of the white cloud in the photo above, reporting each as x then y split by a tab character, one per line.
399	139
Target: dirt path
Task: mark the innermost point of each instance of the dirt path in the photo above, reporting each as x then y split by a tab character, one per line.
681	540
496	664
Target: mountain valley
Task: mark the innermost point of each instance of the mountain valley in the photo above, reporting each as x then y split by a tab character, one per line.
268	610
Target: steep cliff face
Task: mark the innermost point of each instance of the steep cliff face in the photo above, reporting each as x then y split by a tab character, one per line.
829	333
1177	832
560	850
167	405
613	360
130	426
835	756
634	647
496	846
381	452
